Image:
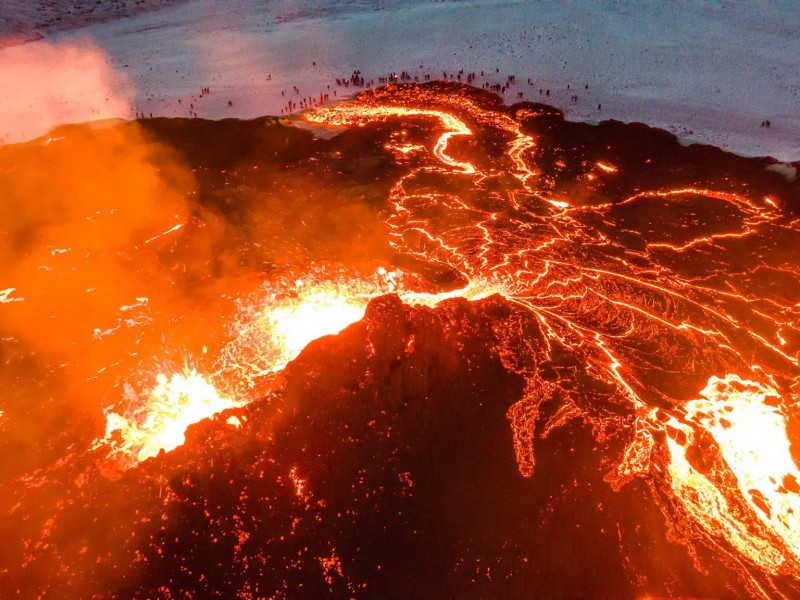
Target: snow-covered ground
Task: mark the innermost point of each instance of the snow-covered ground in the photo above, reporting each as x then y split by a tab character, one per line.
708	71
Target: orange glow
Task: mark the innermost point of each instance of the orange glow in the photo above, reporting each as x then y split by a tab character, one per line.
316	312
277	334
277	326
534	277
175	403
747	422
286	323
607	167
360	115
611	309
758	516
649	321
293	315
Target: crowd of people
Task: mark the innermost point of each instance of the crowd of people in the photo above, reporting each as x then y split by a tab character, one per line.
357	80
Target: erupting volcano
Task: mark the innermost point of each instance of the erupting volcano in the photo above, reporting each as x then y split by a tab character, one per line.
420	344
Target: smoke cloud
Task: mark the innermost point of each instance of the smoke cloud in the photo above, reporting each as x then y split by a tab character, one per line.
44	85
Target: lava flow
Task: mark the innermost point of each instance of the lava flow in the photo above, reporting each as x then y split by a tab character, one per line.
274	335
264	341
439	336
621	292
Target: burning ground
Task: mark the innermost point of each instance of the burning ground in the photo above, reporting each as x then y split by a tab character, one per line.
575	375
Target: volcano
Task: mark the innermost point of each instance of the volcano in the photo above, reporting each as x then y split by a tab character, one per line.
420	344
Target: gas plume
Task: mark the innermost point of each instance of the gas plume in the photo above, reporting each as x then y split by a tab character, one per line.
46	84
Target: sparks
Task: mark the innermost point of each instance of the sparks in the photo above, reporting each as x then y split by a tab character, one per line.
175	403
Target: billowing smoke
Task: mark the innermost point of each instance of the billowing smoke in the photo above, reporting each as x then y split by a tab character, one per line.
81	255
44	85
118	261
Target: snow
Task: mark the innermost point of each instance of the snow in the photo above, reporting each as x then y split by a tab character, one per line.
710	72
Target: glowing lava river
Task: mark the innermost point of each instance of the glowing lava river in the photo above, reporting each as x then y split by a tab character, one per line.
421	344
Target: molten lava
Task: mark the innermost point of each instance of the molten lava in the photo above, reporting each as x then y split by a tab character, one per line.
160	423
615	305
599	308
278	331
290	318
634	342
745	420
321	312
